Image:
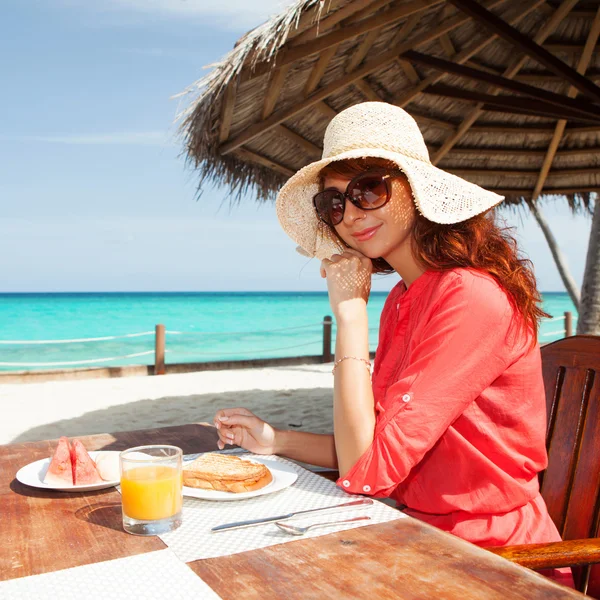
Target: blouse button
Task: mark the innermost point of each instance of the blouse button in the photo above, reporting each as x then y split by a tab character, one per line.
346	483
406	398
366	488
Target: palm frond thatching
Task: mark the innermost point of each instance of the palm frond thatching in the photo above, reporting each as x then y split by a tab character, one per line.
504	108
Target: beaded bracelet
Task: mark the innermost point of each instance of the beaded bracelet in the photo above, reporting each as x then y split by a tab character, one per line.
339	360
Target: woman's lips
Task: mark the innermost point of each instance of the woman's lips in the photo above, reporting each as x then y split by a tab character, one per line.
365	234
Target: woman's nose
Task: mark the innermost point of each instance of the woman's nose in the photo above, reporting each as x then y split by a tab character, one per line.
352	213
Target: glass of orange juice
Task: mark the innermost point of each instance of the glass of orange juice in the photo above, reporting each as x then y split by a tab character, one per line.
151	489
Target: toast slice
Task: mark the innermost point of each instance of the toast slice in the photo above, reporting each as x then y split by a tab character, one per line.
225	473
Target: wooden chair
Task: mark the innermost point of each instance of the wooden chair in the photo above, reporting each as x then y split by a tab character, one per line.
570	485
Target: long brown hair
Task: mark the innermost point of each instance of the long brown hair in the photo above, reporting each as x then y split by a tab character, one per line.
478	243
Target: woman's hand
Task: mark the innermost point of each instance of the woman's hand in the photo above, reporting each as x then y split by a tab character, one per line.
241	427
348	282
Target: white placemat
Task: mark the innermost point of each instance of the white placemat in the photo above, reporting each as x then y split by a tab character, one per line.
194	540
156	575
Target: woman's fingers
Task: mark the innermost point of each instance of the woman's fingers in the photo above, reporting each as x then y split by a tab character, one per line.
227	436
324	264
244	421
223	415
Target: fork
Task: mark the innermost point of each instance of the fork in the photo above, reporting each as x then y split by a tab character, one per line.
297	530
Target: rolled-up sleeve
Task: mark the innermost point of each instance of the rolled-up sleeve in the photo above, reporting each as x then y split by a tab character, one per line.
462	349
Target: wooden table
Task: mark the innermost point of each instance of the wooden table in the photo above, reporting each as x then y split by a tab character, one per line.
47	531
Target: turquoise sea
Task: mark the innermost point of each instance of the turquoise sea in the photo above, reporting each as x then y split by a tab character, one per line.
36	329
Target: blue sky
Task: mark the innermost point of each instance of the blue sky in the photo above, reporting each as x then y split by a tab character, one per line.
94	191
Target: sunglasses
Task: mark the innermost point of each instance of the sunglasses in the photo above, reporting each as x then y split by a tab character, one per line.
367	191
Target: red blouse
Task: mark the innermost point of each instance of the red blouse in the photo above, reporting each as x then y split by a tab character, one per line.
460	412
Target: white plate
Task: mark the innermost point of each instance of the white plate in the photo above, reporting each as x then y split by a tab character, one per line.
283	476
33	475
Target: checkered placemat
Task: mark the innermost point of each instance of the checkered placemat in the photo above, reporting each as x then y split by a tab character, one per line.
194	540
152	576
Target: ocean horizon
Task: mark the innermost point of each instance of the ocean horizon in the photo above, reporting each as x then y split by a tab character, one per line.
55	330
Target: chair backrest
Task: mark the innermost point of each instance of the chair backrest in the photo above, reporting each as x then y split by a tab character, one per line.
571	483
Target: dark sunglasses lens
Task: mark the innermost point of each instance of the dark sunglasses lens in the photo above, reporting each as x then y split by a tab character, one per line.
370	191
330	206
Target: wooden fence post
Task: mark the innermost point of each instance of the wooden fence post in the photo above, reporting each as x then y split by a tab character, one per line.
327	356
159	350
568	324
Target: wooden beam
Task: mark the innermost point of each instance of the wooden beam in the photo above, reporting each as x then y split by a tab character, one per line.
227	110
371	37
567	48
540	37
300	141
549	157
575	129
290	55
346	12
524	44
368	92
584	61
427	120
548	78
319	95
317	13
325	109
583	14
326	19
520	152
526	129
447	46
586	109
465	54
522	172
570	172
495	152
277	80
368	11
476	65
517	105
409	25
409	71
362	50
263	161
527	193
404	32
492	172
319	69
500	129
578	152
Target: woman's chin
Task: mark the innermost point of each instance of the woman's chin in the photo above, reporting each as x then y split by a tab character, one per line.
370	251
366	249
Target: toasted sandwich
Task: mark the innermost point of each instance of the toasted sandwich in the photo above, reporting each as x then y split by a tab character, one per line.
225	473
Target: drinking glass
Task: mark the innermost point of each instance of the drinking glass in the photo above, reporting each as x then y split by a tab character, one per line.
151	489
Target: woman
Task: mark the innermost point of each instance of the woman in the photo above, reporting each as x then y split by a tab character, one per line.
452	425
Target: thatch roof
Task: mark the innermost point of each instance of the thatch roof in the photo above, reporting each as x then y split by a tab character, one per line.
495	85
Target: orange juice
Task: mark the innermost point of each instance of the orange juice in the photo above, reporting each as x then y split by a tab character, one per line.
151	492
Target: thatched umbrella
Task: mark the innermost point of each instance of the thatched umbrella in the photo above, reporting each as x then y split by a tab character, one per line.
504	92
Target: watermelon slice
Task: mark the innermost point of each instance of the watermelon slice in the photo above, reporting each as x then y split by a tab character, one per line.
60	471
85	471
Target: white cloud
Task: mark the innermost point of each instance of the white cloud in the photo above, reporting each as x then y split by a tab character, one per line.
120	138
231	14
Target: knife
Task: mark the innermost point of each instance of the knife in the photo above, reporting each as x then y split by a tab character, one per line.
239	524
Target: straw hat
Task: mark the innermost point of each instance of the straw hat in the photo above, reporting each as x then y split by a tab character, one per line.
381	130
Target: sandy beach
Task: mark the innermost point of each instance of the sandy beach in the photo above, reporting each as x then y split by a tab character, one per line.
296	397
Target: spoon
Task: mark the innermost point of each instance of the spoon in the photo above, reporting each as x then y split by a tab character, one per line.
296	530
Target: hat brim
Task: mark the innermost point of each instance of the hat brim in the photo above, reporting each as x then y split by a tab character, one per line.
439	196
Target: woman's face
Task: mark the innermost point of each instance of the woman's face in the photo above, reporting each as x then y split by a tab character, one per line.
377	233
